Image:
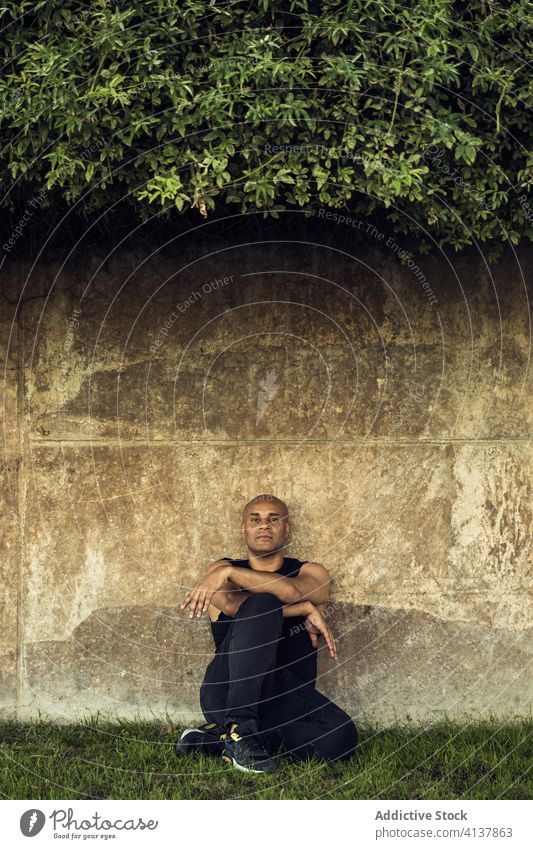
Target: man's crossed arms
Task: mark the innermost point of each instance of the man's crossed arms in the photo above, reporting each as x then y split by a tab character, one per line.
227	586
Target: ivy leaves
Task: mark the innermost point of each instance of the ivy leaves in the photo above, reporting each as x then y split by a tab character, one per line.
408	108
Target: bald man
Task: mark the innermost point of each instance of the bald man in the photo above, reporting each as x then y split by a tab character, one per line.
258	694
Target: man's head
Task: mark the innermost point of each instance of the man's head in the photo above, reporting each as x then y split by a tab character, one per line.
265	524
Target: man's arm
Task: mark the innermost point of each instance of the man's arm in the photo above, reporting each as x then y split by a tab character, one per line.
230	599
230	602
312	584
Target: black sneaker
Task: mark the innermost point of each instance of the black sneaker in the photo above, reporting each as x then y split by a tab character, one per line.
247	753
208	738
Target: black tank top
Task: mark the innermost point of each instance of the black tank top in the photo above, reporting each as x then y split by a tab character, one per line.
295	651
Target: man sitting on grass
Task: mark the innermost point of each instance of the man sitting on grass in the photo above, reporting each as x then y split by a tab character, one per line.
258	693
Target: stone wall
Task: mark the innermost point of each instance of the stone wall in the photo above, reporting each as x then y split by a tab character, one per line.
146	398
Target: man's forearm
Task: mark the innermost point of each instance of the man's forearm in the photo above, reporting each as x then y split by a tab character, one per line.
299	608
256	581
229	603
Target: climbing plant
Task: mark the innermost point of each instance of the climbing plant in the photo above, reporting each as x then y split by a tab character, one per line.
418	111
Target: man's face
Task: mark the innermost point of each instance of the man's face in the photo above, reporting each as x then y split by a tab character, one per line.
265	527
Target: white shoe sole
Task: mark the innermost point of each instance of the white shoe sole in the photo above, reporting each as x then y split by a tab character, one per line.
181	747
232	762
188	731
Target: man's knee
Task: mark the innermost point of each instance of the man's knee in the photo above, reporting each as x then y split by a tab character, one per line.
210	694
258	604
339	743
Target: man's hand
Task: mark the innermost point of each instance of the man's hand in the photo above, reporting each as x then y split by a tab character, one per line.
316	626
199	598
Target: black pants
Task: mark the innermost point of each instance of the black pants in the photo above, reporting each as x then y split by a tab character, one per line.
243	684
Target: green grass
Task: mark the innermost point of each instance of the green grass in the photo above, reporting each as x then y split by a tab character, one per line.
136	760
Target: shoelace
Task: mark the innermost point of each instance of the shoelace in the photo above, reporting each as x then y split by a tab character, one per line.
255	742
212	728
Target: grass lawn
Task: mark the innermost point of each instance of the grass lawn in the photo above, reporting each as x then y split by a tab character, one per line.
101	760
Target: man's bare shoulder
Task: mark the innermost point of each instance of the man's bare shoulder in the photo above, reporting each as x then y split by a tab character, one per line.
317	572
314	568
222	562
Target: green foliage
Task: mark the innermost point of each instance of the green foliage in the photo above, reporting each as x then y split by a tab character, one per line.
416	111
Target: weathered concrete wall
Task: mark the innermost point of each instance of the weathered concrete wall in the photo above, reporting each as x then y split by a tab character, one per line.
395	428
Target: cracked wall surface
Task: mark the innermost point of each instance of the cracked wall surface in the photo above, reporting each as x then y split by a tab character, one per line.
396	430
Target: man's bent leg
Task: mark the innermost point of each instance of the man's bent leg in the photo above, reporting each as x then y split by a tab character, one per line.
307	723
253	645
214	688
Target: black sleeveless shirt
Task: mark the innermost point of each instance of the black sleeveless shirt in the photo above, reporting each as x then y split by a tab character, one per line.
295	651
